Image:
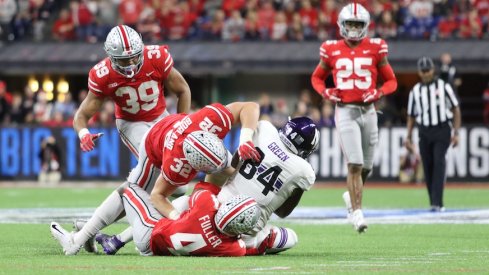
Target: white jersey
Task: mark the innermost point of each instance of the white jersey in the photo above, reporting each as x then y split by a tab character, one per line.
272	181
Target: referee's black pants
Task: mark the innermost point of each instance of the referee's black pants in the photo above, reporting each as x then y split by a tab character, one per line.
433	146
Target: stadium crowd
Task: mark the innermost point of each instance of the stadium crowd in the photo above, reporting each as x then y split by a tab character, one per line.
237	20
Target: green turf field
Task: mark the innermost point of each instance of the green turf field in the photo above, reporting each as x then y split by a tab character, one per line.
323	248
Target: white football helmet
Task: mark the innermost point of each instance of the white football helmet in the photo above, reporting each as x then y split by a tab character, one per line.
237	215
353	13
205	152
124	43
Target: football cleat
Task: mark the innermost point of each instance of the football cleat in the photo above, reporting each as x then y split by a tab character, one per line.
64	238
349	208
110	244
280	239
358	221
89	245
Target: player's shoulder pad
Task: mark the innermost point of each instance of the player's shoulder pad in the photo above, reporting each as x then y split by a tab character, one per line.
98	76
326	48
380	45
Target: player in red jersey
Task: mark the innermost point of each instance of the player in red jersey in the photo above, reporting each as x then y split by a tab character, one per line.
207	228
170	152
355	63
134	77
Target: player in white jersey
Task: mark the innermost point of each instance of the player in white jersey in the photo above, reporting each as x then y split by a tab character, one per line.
278	181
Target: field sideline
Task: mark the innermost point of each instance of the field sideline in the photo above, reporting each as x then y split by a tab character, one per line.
325	246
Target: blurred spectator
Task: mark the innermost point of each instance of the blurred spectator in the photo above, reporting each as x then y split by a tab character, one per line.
485	98
42	108
266	106
17	113
180	23
149	27
213	29
448	26
83	20
315	115
50	155
327	114
234	27
8	9
296	30
386	28
388	113
411	169
309	17
251	26
5	102
448	72
63	28
129	11
266	17
471	25
229	6
281	114
40	13
106	17
65	106
278	31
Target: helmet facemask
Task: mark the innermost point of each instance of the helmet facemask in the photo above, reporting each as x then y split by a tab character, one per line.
128	66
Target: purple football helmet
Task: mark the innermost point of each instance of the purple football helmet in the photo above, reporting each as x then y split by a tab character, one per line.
300	135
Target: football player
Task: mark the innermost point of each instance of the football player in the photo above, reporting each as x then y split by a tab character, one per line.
355	63
207	228
134	77
276	183
165	154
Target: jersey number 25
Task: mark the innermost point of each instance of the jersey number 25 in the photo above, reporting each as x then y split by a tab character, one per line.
346	67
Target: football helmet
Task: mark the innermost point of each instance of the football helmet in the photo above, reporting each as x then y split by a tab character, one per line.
205	152
300	135
237	215
124	47
353	13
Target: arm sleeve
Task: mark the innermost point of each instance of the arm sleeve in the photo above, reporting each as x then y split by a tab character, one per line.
318	79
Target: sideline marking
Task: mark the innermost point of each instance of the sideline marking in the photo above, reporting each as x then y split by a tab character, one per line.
303	215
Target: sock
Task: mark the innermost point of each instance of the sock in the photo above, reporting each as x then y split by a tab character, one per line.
104	215
126	235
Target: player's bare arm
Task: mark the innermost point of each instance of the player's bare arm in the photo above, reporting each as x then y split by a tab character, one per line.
289	205
90	105
221	177
246	113
159	198
410	125
176	84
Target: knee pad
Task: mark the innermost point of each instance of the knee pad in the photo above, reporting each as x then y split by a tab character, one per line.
281	239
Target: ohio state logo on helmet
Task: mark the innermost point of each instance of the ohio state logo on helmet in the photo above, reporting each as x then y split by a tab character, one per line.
237	215
205	151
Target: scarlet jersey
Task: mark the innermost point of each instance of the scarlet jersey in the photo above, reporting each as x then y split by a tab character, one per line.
164	143
195	232
354	69
140	98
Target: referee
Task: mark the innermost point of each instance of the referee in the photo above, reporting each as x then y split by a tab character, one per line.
433	105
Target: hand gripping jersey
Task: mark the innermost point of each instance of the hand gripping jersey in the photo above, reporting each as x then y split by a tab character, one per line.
195	233
140	98
165	139
272	181
354	69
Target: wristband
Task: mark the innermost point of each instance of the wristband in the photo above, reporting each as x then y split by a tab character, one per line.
246	135
174	215
83	132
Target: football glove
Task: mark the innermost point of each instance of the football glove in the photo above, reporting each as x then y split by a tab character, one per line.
247	151
87	141
332	94
371	95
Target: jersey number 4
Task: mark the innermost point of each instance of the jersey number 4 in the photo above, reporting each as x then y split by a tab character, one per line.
346	67
185	243
267	177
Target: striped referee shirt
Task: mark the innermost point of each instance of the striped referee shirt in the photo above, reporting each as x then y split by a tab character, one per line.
431	103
